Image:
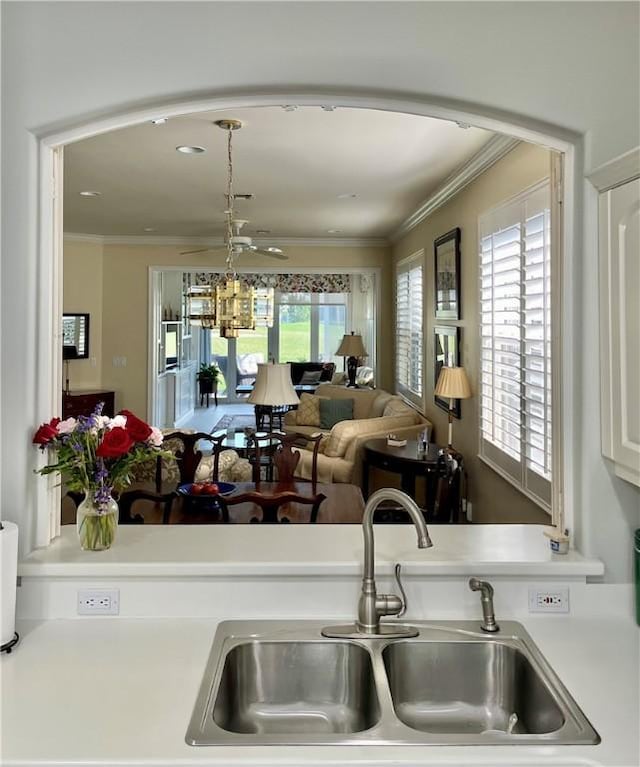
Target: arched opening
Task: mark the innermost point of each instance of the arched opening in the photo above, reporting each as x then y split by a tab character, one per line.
51	225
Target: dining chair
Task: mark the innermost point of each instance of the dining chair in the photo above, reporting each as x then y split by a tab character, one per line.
187	454
129	498
284	458
271	502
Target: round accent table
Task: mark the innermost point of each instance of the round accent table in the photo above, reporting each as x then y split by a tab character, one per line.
442	473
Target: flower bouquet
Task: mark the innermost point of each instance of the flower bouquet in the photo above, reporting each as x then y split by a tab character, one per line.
97	455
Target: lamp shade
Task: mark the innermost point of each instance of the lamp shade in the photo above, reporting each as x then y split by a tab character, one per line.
351	346
453	384
273	386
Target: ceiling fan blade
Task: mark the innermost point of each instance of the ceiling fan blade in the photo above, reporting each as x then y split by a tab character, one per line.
272	252
200	250
191	252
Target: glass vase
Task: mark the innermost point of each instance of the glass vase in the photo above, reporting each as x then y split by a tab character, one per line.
96	525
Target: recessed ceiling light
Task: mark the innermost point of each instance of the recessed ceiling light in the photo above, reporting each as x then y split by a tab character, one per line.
190	149
159	121
149	229
263	231
334	231
328	108
290	107
347	196
89	193
464	126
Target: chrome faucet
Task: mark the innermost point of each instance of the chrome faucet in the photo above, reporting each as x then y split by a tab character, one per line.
486	598
371	605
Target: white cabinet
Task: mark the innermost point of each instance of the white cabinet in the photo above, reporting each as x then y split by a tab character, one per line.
185	393
620	327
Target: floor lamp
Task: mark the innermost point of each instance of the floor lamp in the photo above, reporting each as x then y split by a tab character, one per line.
452	384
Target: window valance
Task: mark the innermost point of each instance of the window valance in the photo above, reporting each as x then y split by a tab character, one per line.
285	283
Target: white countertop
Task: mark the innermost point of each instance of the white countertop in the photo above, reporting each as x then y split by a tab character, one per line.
120	692
306	550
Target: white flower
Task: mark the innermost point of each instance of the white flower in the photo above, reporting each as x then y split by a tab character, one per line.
119	421
102	421
155	438
67	426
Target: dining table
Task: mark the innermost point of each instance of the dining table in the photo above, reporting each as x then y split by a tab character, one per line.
343	503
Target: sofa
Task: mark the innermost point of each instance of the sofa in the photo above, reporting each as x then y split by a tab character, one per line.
376	413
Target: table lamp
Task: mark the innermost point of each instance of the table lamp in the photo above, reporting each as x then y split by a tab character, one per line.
452	384
273	386
351	347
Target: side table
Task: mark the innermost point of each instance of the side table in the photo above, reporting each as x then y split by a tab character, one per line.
443	474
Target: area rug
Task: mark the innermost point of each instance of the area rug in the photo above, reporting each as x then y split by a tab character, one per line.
231	421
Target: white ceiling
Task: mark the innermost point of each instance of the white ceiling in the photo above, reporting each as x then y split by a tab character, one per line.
296	163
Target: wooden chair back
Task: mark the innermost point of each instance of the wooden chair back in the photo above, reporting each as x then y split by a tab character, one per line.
284	458
270	504
188	456
448	499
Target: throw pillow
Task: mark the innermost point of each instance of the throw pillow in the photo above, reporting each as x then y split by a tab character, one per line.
338	378
308	412
310	377
332	411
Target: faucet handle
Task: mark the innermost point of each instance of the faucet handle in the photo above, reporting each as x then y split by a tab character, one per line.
403	597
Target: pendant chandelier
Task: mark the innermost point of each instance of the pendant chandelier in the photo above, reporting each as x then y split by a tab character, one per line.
231	306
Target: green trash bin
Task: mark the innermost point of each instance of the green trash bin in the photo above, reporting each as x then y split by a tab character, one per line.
637	567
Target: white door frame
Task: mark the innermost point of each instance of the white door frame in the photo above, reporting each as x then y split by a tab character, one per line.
49	387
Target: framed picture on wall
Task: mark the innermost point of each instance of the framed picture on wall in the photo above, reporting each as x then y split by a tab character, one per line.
446	353
447	275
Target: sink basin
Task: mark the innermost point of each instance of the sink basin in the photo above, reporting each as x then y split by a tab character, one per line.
282	682
469	687
287	688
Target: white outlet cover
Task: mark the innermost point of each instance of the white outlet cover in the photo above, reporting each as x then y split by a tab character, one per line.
98	601
548	599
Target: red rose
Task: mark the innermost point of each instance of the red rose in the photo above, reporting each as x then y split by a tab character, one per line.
46	433
115	443
138	430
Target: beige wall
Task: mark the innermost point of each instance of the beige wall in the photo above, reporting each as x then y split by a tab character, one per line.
124	313
82	292
493	499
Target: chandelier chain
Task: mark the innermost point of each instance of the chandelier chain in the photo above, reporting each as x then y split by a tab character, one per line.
230	201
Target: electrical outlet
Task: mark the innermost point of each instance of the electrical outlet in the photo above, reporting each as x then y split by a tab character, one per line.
98	602
553	599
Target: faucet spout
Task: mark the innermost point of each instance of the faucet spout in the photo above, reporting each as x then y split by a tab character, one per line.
371	607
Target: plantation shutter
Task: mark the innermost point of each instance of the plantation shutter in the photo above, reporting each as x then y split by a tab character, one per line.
409	328
515	331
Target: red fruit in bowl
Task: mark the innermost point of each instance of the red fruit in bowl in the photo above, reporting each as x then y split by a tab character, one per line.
197	489
211	488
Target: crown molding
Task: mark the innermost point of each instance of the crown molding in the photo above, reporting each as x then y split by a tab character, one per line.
618	171
495	149
213	242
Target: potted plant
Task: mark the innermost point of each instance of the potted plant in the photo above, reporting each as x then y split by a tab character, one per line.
208	381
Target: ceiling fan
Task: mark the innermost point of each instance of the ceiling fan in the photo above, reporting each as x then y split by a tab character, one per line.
234	243
240	244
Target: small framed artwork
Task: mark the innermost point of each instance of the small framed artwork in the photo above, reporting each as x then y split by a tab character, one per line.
447	275
446	353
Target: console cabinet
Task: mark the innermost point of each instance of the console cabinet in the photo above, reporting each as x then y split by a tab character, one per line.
619	225
77	403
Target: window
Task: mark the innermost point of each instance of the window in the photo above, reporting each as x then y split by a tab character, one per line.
310	326
515	328
409	327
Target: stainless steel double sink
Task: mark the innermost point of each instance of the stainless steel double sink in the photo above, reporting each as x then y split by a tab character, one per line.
282	682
